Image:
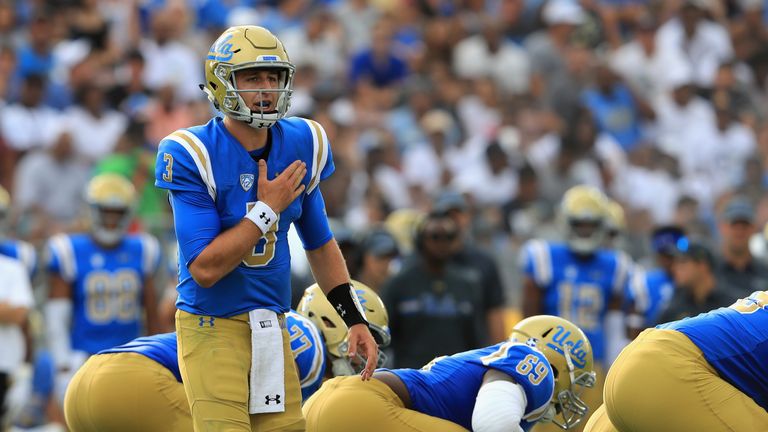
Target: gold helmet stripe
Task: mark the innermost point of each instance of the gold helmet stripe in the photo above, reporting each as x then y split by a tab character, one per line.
62	248
319	153
199	155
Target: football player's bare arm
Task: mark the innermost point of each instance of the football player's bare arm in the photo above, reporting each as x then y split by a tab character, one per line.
227	250
531	298
16	315
330	271
152	321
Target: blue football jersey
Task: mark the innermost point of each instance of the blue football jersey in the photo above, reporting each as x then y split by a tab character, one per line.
308	350
734	341
208	160
649	291
107	286
161	348
576	288
447	387
21	251
306	346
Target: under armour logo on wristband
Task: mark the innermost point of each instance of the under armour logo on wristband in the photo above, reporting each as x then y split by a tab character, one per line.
275	399
341	310
263	216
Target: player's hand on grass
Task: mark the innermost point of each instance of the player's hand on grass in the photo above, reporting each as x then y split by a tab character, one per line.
280	192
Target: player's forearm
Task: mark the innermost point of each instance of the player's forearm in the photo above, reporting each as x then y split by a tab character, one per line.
12	314
224	253
328	266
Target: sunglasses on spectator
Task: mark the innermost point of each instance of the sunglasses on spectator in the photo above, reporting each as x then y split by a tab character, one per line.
441	236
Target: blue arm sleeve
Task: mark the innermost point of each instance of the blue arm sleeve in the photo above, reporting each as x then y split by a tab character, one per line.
312	226
197	222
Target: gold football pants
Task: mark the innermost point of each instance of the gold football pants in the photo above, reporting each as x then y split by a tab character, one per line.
125	392
349	404
661	382
215	360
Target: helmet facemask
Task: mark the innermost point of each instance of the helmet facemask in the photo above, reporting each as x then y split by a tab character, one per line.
233	103
585	235
571	409
109	224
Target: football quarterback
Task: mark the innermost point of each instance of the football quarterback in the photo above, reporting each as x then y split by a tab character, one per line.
236	185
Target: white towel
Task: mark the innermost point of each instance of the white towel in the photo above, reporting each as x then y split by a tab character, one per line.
267	377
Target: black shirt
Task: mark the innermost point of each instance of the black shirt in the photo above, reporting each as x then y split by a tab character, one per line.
741	283
432	315
682	304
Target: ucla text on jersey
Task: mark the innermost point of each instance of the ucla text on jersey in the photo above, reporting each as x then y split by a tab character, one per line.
107	286
209	161
576	288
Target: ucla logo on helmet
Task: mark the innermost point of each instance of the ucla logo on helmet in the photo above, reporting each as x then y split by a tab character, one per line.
562	338
246	181
221	49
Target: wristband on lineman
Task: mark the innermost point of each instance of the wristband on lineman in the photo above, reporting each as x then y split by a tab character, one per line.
345	302
262	215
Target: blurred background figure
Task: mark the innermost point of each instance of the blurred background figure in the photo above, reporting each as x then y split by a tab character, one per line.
435	305
738	273
696	287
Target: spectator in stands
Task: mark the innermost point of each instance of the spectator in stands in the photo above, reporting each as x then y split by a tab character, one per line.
49	185
469	255
434	304
378	65
696	287
738	273
378	252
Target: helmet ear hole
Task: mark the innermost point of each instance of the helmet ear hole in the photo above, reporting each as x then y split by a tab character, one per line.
327	321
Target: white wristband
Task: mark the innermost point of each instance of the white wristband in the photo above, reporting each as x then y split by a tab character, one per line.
262	215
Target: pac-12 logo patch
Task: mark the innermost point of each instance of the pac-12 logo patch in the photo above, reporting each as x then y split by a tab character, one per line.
246	181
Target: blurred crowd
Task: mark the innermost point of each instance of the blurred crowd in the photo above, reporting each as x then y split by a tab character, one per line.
480	113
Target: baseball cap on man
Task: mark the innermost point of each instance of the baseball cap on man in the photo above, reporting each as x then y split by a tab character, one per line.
739	209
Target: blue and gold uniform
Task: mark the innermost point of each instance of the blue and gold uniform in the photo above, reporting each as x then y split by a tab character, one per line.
577	288
706	373
447	387
549	358
308	351
21	251
107	286
206	167
132	387
149	366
